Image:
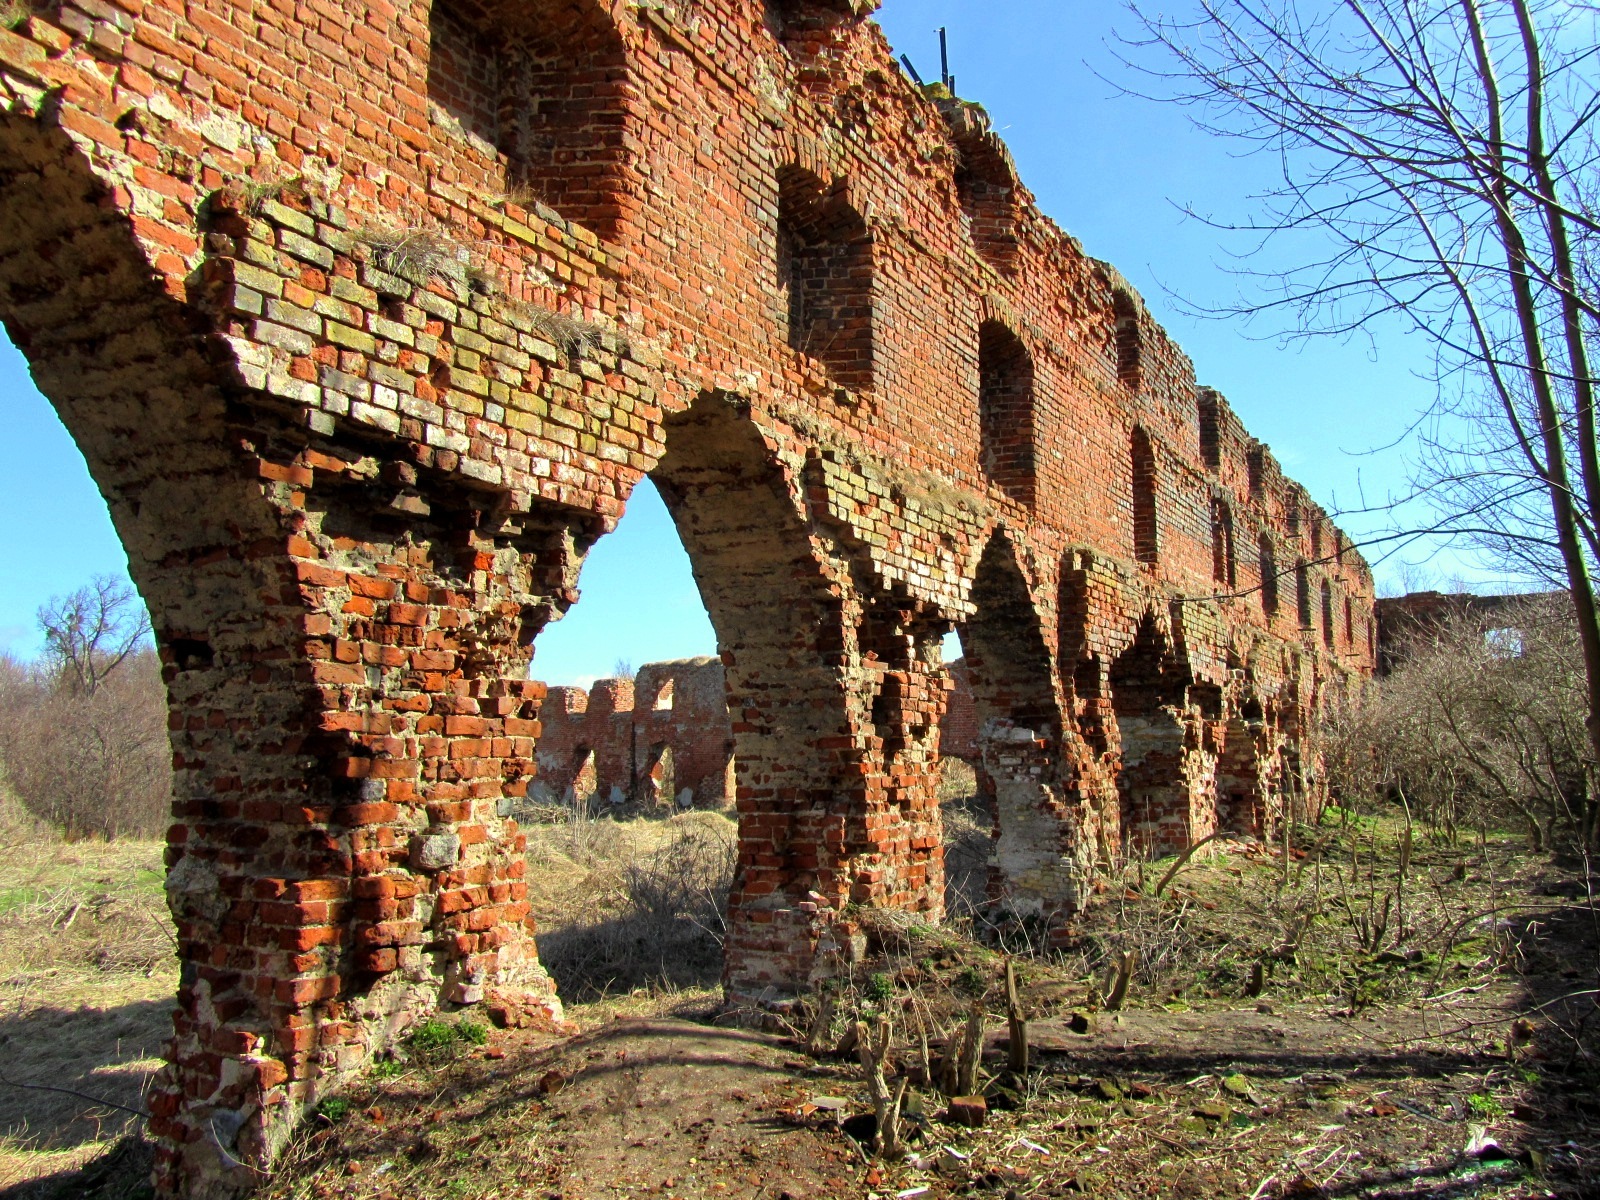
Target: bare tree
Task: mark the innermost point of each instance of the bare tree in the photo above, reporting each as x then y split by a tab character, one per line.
1480	724
91	633
1439	170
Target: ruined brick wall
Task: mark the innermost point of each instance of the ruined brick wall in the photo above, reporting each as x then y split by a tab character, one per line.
958	728
369	317
1401	619
664	736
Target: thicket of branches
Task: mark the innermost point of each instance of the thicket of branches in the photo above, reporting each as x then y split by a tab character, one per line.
1481	726
83	730
1440	177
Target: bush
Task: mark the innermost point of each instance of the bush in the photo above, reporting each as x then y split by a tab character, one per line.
1480	725
91	763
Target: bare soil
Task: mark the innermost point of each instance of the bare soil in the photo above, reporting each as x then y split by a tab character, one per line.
1288	1034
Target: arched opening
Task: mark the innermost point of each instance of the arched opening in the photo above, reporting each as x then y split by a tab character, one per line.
1129	338
1142	461
584	789
543	90
1327	614
1224	565
1268	561
824	278
816	727
661	779
986	189
1148	687
1302	593
1035	866
1006	410
1241	808
1209	404
1349	623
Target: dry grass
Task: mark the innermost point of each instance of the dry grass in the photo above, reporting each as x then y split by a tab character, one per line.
412	252
87	973
631	908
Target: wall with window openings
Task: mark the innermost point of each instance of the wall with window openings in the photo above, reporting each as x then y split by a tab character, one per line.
405	301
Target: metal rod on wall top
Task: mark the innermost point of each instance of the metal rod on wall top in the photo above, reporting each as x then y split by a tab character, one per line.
944	58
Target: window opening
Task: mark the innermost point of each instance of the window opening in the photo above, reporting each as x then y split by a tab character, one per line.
542	86
1145	547
824	278
1005	410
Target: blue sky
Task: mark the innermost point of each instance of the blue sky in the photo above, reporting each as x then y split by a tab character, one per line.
1111	170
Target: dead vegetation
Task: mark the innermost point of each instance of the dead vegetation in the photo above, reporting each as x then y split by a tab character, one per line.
630	907
87	974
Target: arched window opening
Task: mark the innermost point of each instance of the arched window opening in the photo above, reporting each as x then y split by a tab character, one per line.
824	278
543	87
1256	468
1327	614
1224	568
1210	431
1349	623
1302	593
1005	410
1145	537
1129	338
1269	576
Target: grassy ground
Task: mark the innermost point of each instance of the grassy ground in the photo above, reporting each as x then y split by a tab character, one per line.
1370	1015
86	979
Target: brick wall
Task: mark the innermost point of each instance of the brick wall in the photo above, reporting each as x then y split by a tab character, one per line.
368	318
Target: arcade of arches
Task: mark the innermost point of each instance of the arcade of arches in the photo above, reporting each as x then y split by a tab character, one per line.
368	328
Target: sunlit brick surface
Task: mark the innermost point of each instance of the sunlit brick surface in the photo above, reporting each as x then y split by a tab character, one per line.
369	316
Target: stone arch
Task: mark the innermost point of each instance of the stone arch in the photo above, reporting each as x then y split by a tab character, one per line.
1006	404
1149	682
1037	864
544	88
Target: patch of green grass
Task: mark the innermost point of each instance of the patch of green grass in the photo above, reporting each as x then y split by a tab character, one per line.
334	1109
12	899
1485	1107
388	1068
880	988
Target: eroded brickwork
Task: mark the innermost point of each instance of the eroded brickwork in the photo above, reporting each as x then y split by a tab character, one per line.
368	318
662	737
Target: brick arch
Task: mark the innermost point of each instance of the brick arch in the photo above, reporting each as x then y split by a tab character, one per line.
1037	868
197	493
1149	694
808	746
1007	400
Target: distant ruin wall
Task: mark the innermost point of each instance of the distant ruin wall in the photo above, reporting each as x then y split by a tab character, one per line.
1400	620
662	737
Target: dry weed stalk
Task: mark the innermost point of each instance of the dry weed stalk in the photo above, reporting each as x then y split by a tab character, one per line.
873	1048
413	253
